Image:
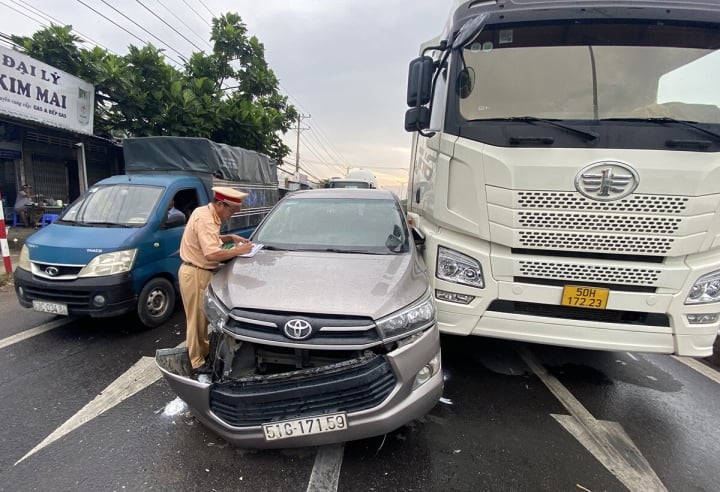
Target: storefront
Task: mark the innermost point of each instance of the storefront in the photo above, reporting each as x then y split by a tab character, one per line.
46	134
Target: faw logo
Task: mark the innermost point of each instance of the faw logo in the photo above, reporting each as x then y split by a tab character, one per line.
606	181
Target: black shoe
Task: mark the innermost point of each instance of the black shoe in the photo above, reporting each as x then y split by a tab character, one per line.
206	368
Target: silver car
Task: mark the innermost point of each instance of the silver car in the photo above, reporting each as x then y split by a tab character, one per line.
327	334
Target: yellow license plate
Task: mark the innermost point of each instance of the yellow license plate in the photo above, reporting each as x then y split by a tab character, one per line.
585	297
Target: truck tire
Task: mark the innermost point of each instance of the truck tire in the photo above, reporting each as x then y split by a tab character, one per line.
156	302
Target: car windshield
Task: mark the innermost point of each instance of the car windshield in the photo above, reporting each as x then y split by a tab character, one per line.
120	205
339	225
592	72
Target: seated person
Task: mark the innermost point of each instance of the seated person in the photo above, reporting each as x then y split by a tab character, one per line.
24	207
173	211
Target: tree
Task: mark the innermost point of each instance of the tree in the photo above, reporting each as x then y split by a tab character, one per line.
230	95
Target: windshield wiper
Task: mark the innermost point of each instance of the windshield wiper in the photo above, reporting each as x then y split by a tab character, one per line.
351	251
666	119
545	121
106	224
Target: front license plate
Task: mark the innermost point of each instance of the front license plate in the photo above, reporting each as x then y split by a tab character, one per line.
585	297
50	307
305	426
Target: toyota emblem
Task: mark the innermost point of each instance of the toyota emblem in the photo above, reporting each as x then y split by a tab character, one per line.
297	329
52	271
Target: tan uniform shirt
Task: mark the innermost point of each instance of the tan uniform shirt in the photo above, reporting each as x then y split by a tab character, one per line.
201	237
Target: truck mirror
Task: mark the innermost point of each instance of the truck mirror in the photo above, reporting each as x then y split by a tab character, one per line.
420	76
417	119
175	221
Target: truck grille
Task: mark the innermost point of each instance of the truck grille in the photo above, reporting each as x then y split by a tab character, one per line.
589	272
605	243
639	225
575	201
347	386
598	222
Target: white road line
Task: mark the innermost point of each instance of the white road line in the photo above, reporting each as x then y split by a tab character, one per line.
38	330
699	367
607	441
326	470
138	377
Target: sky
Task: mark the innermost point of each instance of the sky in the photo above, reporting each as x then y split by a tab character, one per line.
342	63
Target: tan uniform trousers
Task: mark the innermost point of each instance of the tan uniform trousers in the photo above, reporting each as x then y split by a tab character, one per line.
193	282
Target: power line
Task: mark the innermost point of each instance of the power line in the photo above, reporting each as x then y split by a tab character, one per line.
206	8
171	27
184	24
195	11
112	22
145	30
83	37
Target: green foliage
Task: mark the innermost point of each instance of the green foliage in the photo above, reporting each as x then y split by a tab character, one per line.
230	95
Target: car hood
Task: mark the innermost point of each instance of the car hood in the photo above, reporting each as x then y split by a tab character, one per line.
322	282
77	245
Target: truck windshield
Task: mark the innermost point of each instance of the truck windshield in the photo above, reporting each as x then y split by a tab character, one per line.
349	184
592	72
120	205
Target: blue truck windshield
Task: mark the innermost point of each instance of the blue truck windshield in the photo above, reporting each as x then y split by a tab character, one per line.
120	204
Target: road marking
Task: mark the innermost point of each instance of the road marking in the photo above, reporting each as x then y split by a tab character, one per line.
38	330
138	377
326	470
607	441
699	367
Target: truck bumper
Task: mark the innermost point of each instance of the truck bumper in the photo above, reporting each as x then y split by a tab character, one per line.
98	297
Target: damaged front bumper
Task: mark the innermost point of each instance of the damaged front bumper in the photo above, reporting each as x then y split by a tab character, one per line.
366	396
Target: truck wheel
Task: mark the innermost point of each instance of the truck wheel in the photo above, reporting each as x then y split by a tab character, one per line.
156	302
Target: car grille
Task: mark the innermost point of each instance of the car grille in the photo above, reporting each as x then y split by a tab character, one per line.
60	272
348	386
327	330
74	299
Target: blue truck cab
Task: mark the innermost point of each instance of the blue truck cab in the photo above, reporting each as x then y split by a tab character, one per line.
116	249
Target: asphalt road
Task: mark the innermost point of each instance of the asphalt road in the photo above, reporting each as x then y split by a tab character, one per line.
84	409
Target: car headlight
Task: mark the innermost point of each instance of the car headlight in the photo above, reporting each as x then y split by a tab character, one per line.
24	261
459	268
705	290
110	264
215	311
416	317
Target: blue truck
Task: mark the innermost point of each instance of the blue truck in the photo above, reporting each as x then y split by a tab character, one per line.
115	249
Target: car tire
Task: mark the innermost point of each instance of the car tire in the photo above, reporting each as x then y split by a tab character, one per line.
156	302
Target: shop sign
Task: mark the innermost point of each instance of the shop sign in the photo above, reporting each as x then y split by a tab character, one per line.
32	90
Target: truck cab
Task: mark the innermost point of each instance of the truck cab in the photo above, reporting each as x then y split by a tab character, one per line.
565	172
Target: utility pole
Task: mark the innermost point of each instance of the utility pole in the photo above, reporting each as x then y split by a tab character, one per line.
297	145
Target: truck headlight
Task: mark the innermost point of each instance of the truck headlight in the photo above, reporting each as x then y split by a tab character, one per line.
459	268
705	290
215	311
24	261
110	264
416	317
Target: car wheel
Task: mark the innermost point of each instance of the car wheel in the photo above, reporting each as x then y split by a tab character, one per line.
156	302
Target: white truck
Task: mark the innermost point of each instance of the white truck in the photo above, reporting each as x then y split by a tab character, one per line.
565	172
355	178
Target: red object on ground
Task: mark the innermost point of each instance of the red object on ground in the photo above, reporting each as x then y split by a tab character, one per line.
3	240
